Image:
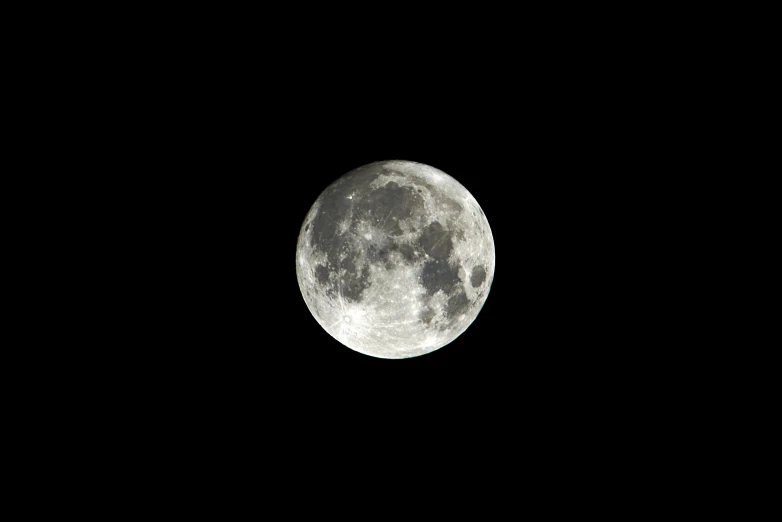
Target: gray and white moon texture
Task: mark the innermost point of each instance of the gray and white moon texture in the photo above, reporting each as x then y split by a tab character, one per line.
395	259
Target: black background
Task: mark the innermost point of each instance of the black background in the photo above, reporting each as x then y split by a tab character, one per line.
226	142
180	151
241	164
199	147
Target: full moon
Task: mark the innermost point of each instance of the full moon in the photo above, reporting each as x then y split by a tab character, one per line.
395	259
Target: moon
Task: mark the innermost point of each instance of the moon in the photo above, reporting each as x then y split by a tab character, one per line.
395	259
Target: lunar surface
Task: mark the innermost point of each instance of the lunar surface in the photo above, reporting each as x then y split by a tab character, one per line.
395	259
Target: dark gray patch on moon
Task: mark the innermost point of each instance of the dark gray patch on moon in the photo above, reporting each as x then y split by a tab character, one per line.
439	275
457	304
407	251
336	206
354	280
436	241
377	254
355	285
478	276
325	224
322	274
386	205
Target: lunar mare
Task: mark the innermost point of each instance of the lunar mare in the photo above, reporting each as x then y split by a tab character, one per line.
395	259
